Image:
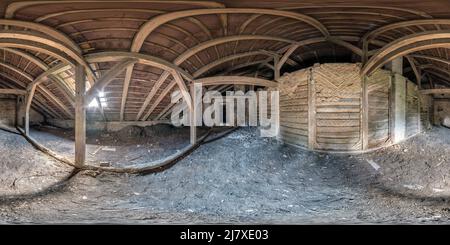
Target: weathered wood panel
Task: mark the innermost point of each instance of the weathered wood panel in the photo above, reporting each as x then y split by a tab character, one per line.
294	108
378	112
412	109
338	106
329	107
425	108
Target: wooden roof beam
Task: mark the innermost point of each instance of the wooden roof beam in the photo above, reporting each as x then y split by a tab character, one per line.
152	93
406	45
13	91
370	36
236	80
107	78
159	20
285	56
159	99
46	43
428	57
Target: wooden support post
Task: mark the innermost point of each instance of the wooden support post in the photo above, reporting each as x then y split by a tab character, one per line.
419	116
193	113
398	108
20	109
276	69
431	115
29	98
365	56
311	111
80	116
19	102
396	66
365	115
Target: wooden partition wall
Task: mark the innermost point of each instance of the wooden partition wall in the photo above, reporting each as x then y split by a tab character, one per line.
294	108
337	107
378	91
330	107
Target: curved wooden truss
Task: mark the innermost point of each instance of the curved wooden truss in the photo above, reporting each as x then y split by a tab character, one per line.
151	25
406	45
51	37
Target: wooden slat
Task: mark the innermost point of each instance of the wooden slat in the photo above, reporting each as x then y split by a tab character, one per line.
286	131
340	129
338	110
294	125
339	147
350	141
338	123
337	116
294	120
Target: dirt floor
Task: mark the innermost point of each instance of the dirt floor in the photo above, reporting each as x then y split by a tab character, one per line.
129	146
240	178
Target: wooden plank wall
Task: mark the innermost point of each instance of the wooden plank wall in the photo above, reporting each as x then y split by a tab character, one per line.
321	108
378	113
338	107
412	109
425	112
294	108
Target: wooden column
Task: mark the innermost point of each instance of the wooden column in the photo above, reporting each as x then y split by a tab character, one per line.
20	109
419	111
365	56
431	115
276	69
398	100
194	112
311	111
398	108
365	115
80	116
396	66
29	98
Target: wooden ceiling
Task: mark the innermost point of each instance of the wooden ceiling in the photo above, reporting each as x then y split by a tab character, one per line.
204	39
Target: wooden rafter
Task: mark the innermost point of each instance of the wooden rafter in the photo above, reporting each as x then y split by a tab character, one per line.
285	57
152	93
220	61
34	83
13	91
56	78
406	45
45	107
169	108
159	99
154	23
107	78
63	43
432	58
236	80
370	36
